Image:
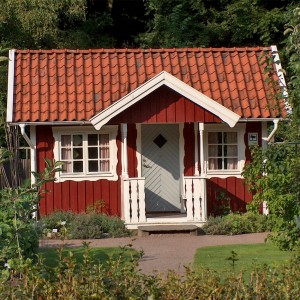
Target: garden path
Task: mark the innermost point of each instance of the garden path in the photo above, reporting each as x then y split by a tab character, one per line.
163	252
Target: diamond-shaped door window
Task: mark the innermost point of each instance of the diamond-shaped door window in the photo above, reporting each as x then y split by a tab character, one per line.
159	141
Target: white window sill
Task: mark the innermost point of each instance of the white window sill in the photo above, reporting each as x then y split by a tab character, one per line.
224	173
89	177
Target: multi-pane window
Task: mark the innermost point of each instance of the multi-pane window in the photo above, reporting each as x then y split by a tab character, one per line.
98	153
85	153
222	150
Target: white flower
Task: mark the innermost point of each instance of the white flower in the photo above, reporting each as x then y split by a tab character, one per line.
7	265
63	223
265	161
54	230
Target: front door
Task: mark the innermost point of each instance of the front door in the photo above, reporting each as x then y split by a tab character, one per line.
160	167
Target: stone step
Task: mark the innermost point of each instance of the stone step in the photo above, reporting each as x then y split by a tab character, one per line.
145	230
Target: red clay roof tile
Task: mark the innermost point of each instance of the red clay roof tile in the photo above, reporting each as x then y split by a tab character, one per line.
74	85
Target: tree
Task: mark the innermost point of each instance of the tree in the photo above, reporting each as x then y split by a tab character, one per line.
273	175
190	23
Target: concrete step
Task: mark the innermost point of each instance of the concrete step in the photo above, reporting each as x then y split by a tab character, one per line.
145	230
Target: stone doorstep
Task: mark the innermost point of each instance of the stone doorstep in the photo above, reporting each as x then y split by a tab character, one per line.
147	230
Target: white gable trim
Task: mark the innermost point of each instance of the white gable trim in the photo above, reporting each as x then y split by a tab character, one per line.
281	78
10	88
177	85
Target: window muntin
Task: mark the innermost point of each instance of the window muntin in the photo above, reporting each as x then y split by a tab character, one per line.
85	153
98	153
223	150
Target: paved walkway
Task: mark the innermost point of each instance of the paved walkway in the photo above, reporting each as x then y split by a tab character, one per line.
163	252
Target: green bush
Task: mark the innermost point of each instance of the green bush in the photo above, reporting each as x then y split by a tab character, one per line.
56	220
96	226
273	177
19	237
18	231
91	225
232	224
73	279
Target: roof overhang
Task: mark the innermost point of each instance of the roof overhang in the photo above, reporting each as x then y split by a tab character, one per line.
164	78
10	87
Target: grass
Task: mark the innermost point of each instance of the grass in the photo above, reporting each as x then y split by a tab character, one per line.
100	255
249	257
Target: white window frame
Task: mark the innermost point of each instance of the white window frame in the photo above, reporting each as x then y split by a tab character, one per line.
240	130
112	130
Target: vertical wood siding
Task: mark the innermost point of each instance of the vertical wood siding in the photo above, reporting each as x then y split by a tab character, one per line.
189	149
220	190
164	106
77	196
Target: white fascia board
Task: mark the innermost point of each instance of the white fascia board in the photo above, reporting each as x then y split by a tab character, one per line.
177	85
281	78
10	86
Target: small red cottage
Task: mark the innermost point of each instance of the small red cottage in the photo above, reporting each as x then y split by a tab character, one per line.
158	135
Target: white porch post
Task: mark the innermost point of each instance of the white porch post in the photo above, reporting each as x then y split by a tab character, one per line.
124	151
201	129
203	172
196	173
124	162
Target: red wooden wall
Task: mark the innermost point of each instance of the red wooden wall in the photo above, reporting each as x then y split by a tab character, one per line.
164	106
217	188
77	196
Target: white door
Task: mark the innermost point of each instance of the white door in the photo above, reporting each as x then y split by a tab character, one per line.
160	167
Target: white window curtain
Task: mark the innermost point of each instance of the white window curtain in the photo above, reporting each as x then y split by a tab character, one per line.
222	151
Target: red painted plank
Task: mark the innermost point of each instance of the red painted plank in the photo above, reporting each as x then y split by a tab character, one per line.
189	111
105	196
240	191
231	192
73	196
212	184
208	117
81	196
113	198
97	192
152	108
180	110
171	111
189	146
57	196
89	194
49	197
199	114
161	111
65	191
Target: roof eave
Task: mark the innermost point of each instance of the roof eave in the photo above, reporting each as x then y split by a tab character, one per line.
10	86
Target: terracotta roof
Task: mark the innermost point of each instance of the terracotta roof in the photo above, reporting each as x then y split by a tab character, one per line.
74	85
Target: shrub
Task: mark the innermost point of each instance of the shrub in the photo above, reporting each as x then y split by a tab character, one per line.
91	225
232	224
96	226
56	220
273	177
18	231
72	279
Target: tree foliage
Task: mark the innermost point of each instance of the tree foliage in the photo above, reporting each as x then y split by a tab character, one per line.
189	23
273	177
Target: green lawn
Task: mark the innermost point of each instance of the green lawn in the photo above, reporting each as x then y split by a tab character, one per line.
249	257
100	255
